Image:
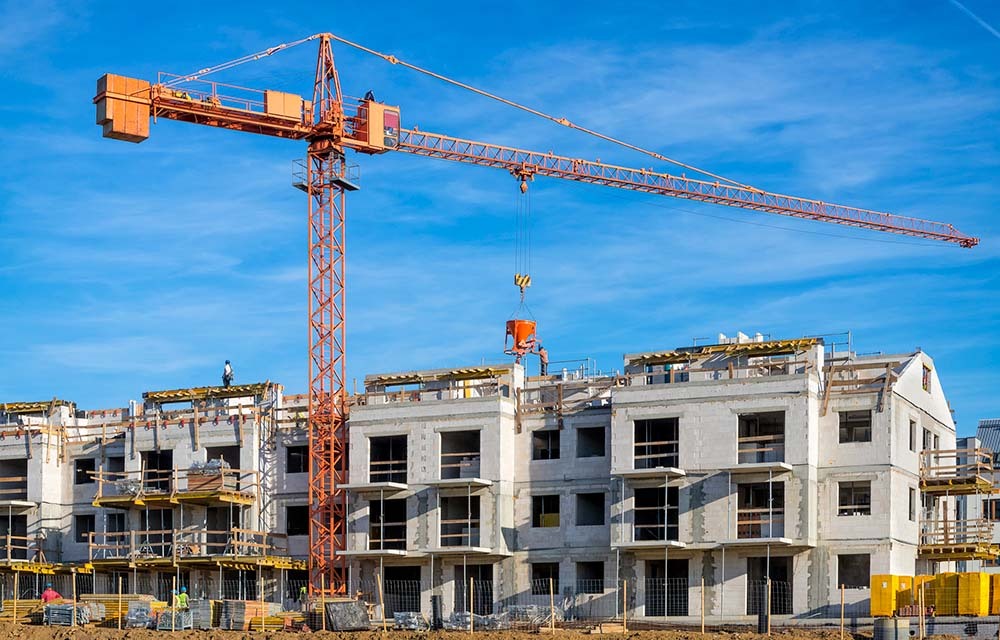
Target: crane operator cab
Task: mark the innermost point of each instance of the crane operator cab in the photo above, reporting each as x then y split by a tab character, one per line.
378	130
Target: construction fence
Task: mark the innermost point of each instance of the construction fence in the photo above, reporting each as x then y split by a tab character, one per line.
945	605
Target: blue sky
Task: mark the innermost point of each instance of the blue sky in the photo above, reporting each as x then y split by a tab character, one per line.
126	267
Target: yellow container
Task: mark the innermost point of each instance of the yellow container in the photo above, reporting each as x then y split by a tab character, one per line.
905	595
995	596
945	587
884	590
973	594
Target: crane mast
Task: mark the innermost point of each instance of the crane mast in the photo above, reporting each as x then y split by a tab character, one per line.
330	124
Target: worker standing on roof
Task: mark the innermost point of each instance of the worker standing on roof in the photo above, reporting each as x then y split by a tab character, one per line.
543	361
227	375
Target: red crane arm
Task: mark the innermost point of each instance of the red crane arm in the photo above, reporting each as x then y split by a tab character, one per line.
526	164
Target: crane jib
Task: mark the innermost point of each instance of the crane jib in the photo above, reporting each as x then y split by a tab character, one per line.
546	164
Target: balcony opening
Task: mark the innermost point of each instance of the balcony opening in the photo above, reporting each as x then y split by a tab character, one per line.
158	533
781	585
666	592
13	479
218	458
387	459
17	528
481	576
83	470
656	514
656	443
387	524
545	511
855	426
545	445
590	577
460	521
855	498
297	459
544	578
83	526
760	510
854	570
589	509
762	437
460	455
402	589
159	470
115	522
221	521
590	442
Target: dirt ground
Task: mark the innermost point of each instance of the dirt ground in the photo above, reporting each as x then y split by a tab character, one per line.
29	632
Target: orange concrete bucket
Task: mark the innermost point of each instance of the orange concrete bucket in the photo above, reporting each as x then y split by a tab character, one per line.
522	331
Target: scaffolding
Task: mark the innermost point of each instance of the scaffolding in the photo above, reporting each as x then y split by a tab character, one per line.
948	532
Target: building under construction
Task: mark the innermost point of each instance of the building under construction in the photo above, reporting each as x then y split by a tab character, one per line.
705	479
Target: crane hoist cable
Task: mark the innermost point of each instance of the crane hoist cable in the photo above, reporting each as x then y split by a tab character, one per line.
522	239
563	121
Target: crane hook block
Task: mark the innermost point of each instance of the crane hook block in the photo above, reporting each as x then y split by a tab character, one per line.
522	280
524	186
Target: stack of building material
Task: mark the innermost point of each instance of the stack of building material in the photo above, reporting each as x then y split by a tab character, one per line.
174	620
278	621
238	614
205	614
109	603
62	615
347	615
97	610
140	614
27	611
409	621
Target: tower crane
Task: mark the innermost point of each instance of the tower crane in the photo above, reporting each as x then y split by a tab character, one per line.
331	124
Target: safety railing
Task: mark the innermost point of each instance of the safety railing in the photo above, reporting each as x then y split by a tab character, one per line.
438	391
18	548
759	449
179	544
760	523
675	374
956	465
14	488
172	482
961	532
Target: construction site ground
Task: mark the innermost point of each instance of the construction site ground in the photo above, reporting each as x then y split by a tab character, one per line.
32	632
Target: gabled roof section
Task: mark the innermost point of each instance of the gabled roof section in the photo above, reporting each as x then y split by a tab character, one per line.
988	434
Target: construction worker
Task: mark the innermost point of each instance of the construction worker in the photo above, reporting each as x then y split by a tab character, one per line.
227	375
50	594
543	361
181	599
